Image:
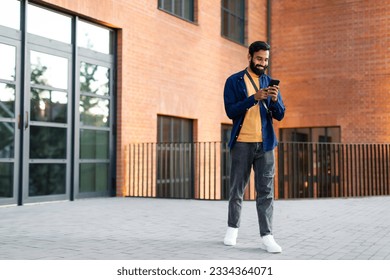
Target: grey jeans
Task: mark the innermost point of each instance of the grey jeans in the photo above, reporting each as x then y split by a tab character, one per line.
243	157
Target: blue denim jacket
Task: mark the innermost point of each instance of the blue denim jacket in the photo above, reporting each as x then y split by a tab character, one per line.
237	102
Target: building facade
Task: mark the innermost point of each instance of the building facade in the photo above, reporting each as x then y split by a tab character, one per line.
124	98
334	63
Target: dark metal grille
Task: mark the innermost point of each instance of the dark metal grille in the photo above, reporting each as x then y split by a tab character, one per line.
311	170
305	170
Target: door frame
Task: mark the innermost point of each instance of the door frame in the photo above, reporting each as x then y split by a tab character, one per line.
43	45
12	37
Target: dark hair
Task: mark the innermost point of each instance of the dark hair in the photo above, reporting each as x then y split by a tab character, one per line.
258	45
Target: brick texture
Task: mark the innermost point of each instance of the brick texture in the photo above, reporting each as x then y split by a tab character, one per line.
332	57
333	60
169	66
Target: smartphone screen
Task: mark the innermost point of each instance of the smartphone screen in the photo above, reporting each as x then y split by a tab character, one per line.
274	83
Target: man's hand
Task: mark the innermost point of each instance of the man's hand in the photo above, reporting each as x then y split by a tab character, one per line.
261	94
273	92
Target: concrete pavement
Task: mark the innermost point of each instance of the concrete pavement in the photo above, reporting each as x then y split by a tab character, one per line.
167	229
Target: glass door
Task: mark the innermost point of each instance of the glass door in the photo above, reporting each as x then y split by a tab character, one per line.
56	106
9	120
47	127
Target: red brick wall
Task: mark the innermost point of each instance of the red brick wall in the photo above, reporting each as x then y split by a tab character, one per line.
332	57
333	60
169	66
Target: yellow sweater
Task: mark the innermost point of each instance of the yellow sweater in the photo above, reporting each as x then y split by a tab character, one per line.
251	127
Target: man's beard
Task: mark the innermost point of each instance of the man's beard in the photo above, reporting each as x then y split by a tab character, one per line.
257	71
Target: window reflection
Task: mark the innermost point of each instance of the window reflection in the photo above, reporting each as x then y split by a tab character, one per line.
94	111
93	177
93	37
46	179
49	24
6	179
10	13
94	144
7	60
47	142
49	70
7	131
7	100
49	106
94	79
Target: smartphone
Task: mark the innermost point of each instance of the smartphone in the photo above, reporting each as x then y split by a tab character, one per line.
274	83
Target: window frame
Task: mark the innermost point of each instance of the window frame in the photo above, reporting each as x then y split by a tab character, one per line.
175	157
26	43
311	132
237	15
191	6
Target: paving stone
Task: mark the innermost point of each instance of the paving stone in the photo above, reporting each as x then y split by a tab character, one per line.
150	228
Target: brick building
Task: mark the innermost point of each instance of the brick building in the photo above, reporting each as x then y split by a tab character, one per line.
87	86
335	59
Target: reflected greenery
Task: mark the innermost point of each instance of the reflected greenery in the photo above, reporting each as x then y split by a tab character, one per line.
7	111
94	85
94	111
49	120
48	105
7	100
94	79
6	179
46	179
48	70
47	142
7	132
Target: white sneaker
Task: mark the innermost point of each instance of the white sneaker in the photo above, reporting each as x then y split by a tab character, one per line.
270	244
231	236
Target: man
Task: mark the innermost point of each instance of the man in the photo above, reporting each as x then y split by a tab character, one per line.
252	104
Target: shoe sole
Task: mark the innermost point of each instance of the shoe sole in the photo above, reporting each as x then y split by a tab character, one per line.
229	243
262	246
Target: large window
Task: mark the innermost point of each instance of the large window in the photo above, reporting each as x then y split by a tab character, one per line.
233	20
174	157
94	111
181	8
56	105
7	119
